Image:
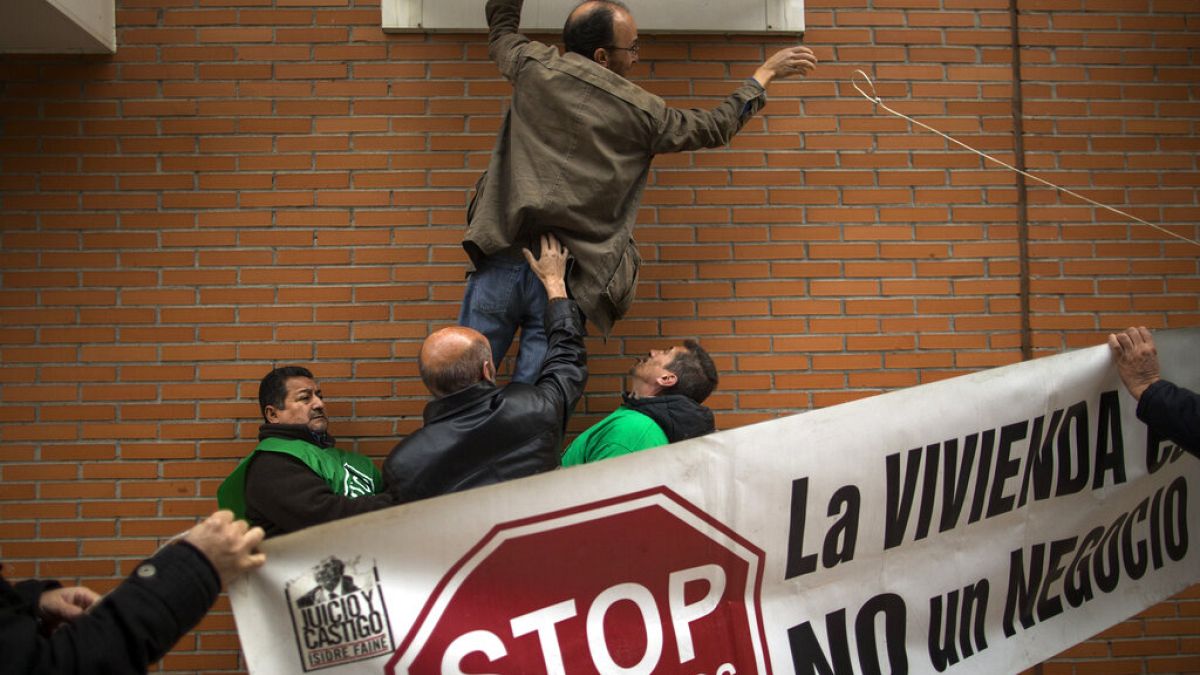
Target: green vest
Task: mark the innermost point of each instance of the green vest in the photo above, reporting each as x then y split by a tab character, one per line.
624	431
348	473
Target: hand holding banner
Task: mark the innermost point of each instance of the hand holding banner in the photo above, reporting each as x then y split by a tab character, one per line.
979	524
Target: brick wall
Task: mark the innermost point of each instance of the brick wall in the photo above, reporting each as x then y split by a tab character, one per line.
251	182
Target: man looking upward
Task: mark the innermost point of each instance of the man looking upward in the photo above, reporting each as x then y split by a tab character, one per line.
663	405
572	156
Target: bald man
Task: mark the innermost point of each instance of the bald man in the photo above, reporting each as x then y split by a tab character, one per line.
476	433
574	153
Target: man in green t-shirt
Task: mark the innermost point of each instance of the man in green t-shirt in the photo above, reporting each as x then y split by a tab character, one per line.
295	477
663	405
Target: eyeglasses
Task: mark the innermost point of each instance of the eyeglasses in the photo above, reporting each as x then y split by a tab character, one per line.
635	47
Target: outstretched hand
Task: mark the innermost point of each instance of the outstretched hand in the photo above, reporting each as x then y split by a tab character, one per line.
551	268
786	62
228	544
1137	359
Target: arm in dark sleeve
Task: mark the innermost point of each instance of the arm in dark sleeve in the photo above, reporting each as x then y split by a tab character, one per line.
285	492
1173	412
132	627
21	640
504	42
30	590
683	130
564	372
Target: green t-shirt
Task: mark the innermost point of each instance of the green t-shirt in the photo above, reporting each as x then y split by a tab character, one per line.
624	431
348	473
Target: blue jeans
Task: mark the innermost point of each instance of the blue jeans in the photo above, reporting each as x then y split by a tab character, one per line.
504	294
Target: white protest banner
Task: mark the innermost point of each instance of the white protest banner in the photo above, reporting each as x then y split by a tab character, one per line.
978	524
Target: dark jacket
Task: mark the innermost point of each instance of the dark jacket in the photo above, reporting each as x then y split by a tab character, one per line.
572	157
129	629
1173	412
284	495
484	434
678	416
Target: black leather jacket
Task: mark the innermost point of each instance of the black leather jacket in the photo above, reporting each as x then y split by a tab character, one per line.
484	434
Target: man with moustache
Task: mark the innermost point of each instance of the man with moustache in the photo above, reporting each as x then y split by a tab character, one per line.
295	477
663	405
572	157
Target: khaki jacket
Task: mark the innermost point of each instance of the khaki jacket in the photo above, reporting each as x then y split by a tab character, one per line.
572	157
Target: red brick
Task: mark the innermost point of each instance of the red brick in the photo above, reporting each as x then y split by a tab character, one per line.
328	232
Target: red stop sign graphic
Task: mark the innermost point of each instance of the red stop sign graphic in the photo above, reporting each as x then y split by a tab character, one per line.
645	583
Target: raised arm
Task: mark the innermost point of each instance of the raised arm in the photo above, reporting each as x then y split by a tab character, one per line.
564	372
684	130
504	18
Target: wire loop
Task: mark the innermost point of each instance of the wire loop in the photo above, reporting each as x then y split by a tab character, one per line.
874	98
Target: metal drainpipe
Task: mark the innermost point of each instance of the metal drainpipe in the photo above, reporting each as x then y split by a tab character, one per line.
1018	116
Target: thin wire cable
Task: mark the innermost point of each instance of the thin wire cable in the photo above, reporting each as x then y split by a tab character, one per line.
873	98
